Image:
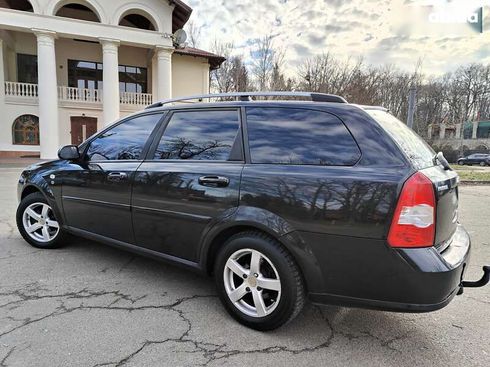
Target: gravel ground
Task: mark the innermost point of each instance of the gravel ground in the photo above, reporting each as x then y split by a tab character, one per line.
91	305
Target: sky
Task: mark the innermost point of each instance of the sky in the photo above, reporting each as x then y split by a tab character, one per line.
398	32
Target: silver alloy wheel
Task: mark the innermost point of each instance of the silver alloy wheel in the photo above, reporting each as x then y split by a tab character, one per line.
252	282
39	222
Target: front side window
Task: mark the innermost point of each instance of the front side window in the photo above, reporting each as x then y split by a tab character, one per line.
199	135
124	141
299	136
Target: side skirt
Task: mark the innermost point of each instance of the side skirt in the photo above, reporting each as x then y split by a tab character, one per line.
155	255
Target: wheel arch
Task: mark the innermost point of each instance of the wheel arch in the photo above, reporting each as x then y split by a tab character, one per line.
292	242
30	189
218	238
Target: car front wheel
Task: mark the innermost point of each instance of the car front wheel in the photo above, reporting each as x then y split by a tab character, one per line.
258	281
37	223
461	163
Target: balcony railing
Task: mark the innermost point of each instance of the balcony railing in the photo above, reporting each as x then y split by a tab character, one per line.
14	89
29	92
71	94
132	98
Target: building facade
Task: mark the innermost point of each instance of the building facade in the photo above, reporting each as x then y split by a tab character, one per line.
457	140
71	67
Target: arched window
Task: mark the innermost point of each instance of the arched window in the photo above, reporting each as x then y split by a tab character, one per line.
78	11
25	130
23	5
140	21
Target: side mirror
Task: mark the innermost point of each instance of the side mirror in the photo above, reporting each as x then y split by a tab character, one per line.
69	152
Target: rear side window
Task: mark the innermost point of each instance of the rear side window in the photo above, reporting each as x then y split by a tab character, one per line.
199	135
124	141
416	149
299	136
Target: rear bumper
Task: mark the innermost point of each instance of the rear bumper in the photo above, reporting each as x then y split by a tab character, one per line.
408	280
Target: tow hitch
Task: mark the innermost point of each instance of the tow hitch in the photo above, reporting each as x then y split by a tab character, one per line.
479	283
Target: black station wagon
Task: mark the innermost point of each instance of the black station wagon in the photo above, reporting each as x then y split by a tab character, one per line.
280	200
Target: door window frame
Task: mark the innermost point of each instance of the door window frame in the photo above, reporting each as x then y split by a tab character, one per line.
236	154
144	152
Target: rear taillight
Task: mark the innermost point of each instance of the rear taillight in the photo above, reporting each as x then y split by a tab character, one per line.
413	223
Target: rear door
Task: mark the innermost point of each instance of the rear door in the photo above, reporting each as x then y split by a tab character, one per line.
190	180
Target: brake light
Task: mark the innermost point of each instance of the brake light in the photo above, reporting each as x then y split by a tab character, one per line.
413	224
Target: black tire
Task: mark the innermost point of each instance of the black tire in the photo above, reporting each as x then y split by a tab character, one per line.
483	164
57	241
461	163
292	295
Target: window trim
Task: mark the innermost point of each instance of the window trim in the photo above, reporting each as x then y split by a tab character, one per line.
158	136
247	143
144	152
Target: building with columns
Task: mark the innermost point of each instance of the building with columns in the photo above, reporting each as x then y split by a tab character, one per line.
71	67
470	137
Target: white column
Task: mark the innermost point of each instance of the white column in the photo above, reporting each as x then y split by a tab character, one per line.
48	94
164	72
475	129
110	80
2	73
154	76
442	131
458	131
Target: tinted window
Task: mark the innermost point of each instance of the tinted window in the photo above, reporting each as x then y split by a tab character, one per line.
124	141
199	135
299	136
416	149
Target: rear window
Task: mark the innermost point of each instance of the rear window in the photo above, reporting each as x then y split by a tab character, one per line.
299	136
417	150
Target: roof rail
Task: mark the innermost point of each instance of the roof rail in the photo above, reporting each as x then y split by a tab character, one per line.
247	96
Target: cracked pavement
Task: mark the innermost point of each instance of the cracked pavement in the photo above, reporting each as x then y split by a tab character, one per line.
91	305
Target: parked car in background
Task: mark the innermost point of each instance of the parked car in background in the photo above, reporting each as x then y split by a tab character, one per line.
477	158
278	200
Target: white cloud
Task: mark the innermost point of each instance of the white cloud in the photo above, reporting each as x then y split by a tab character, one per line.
380	31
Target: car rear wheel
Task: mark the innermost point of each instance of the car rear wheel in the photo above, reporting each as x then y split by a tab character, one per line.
258	281
37	222
482	164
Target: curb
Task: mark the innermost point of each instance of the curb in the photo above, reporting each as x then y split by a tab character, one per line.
474	183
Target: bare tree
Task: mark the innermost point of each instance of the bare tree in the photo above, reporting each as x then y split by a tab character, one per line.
193	33
233	75
266	63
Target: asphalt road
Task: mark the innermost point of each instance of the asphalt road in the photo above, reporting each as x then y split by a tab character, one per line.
92	305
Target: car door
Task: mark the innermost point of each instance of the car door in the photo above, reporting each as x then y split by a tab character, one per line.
189	180
96	190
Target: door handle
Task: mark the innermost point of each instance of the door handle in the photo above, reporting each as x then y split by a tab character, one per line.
117	176
214	181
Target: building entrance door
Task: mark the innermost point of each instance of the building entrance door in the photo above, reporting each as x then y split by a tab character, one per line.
81	128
